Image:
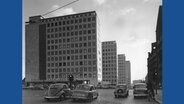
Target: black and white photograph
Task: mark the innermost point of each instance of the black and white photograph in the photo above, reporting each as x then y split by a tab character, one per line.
92	51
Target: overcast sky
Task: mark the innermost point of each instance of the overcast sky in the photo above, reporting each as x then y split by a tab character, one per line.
131	23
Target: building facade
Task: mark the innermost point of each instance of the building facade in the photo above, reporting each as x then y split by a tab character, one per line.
109	62
121	69
155	56
60	46
124	70
128	72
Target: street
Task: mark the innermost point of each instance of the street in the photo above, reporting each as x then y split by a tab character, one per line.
106	96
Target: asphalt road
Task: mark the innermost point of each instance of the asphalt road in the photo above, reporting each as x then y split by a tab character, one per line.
106	96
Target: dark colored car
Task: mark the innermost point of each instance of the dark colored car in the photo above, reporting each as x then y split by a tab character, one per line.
121	90
85	92
140	89
58	91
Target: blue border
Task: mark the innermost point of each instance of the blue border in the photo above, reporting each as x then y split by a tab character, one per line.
173	51
11	52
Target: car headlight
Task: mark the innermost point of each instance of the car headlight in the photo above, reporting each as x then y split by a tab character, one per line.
46	93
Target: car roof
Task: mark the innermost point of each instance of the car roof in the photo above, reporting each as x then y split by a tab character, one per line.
139	84
86	84
59	84
122	84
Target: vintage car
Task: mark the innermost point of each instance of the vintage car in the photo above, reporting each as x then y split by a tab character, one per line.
84	92
121	90
140	89
59	91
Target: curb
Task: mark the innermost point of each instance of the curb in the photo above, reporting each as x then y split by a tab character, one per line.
157	101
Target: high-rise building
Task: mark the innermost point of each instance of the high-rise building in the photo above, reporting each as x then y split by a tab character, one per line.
60	46
124	72
155	56
128	72
121	69
109	62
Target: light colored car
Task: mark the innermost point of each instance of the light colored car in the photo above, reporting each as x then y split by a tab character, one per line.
121	90
85	92
140	89
58	91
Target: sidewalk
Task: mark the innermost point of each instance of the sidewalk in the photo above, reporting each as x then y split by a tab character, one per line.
158	96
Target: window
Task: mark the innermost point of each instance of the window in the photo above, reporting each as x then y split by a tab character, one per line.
48	70
89	75
89	25
89	19
80	20
85	56
85	75
81	63
84	19
89	31
93	18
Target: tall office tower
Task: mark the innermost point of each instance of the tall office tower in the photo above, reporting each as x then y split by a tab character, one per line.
109	62
128	72
124	71
121	69
60	46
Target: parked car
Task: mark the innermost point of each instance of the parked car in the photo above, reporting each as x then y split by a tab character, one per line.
140	89
121	90
58	91
84	92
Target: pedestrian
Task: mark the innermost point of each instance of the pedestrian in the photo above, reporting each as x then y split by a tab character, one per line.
151	94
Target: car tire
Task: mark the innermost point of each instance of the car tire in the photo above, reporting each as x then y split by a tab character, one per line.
90	97
96	96
116	96
74	99
47	99
62	97
127	94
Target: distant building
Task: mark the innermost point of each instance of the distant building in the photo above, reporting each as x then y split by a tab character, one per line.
109	62
155	56
138	81
124	72
128	72
59	46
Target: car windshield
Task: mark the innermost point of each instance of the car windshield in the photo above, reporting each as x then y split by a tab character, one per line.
83	87
121	86
140	86
56	86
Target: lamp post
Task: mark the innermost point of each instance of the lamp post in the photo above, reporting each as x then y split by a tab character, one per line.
156	81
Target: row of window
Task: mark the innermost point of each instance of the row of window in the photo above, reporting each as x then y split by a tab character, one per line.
109	69
72	70
71	21
108	50
72	45
89	14
109	61
76	63
108	58
109	54
68	34
72	51
72	27
65	39
56	76
113	81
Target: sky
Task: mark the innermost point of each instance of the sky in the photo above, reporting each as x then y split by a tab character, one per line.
131	23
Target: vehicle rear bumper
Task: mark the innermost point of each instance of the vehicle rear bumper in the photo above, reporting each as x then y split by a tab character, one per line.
80	97
120	94
51	97
141	95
